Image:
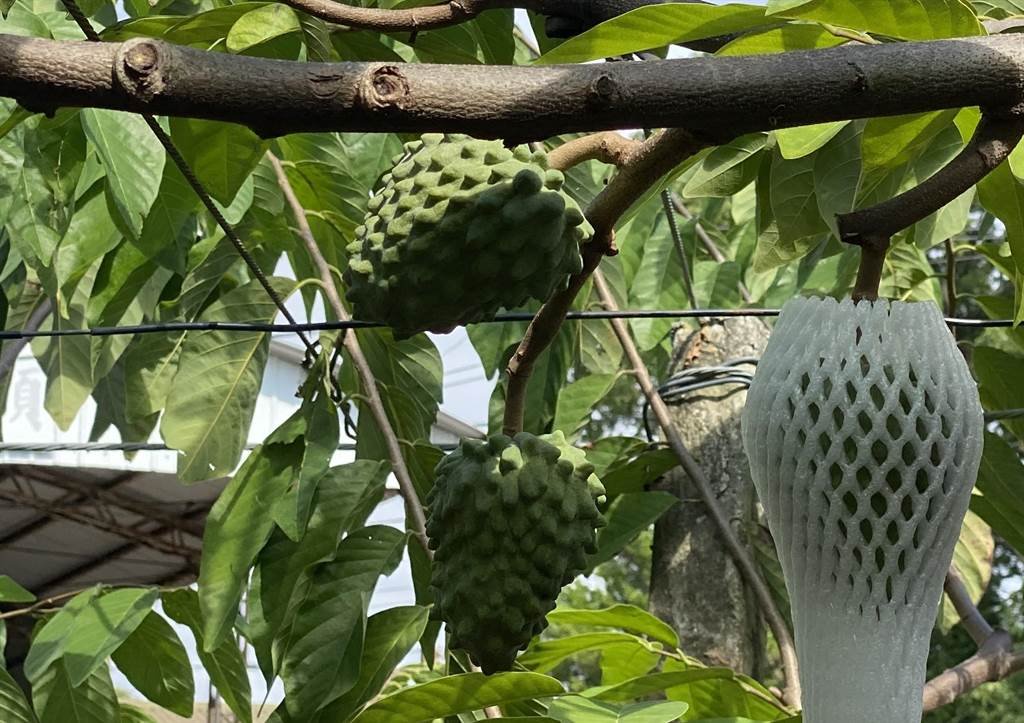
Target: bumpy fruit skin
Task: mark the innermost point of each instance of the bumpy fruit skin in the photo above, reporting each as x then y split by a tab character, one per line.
512	521
458	229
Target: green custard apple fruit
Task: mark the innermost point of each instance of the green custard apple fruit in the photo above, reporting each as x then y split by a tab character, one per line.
511	522
458	229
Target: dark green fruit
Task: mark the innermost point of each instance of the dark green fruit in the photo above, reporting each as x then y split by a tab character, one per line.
458	229
512	522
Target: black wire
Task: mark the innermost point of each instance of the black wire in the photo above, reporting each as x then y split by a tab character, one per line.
513	316
197	187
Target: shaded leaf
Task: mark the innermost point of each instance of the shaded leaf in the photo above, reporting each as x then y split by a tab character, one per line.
155	662
455	694
627	517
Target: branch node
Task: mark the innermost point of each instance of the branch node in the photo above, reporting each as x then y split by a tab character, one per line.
385	87
137	68
860	78
603	90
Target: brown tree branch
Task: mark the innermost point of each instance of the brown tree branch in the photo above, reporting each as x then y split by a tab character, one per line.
994	661
971	618
398	20
739	553
873	228
564	17
608	147
639	170
719	97
417	517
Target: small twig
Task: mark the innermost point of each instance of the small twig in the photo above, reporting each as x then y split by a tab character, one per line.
640	170
971	618
740	555
708	242
366	377
850	34
397	20
872	228
40	605
539	335
608	147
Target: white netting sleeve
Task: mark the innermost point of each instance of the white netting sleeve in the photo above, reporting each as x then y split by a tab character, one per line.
864	434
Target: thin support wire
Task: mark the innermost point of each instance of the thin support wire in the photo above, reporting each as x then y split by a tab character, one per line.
504	318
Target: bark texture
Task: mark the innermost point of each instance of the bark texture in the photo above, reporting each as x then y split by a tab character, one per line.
716	98
695	585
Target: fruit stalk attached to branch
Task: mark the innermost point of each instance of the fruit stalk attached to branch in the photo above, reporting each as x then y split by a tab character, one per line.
642	166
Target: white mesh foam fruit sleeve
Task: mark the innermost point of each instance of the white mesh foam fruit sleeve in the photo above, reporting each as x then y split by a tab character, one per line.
864	434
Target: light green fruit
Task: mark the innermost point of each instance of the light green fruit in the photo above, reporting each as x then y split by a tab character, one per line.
458	229
511	522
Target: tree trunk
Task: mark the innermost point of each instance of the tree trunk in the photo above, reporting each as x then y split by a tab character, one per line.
695	586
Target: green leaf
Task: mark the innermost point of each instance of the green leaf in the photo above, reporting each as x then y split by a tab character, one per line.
727	169
803	140
1001	194
781	39
238	526
654	26
627	617
577	709
101	626
633	473
342	500
998	375
155	662
292	510
997	498
214	392
57	700
222	155
90	235
131	714
546	655
390	635
973	558
794	202
892	141
13	706
658	283
837	175
260	25
224	663
12	592
576	402
133	161
86	630
166	232
457	694
628	516
904	19
321	656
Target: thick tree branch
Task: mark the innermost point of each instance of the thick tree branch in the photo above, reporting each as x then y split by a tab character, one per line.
719	98
739	553
639	170
417	517
873	228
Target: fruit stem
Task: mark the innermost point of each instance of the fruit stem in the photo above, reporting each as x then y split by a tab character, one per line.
873	249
